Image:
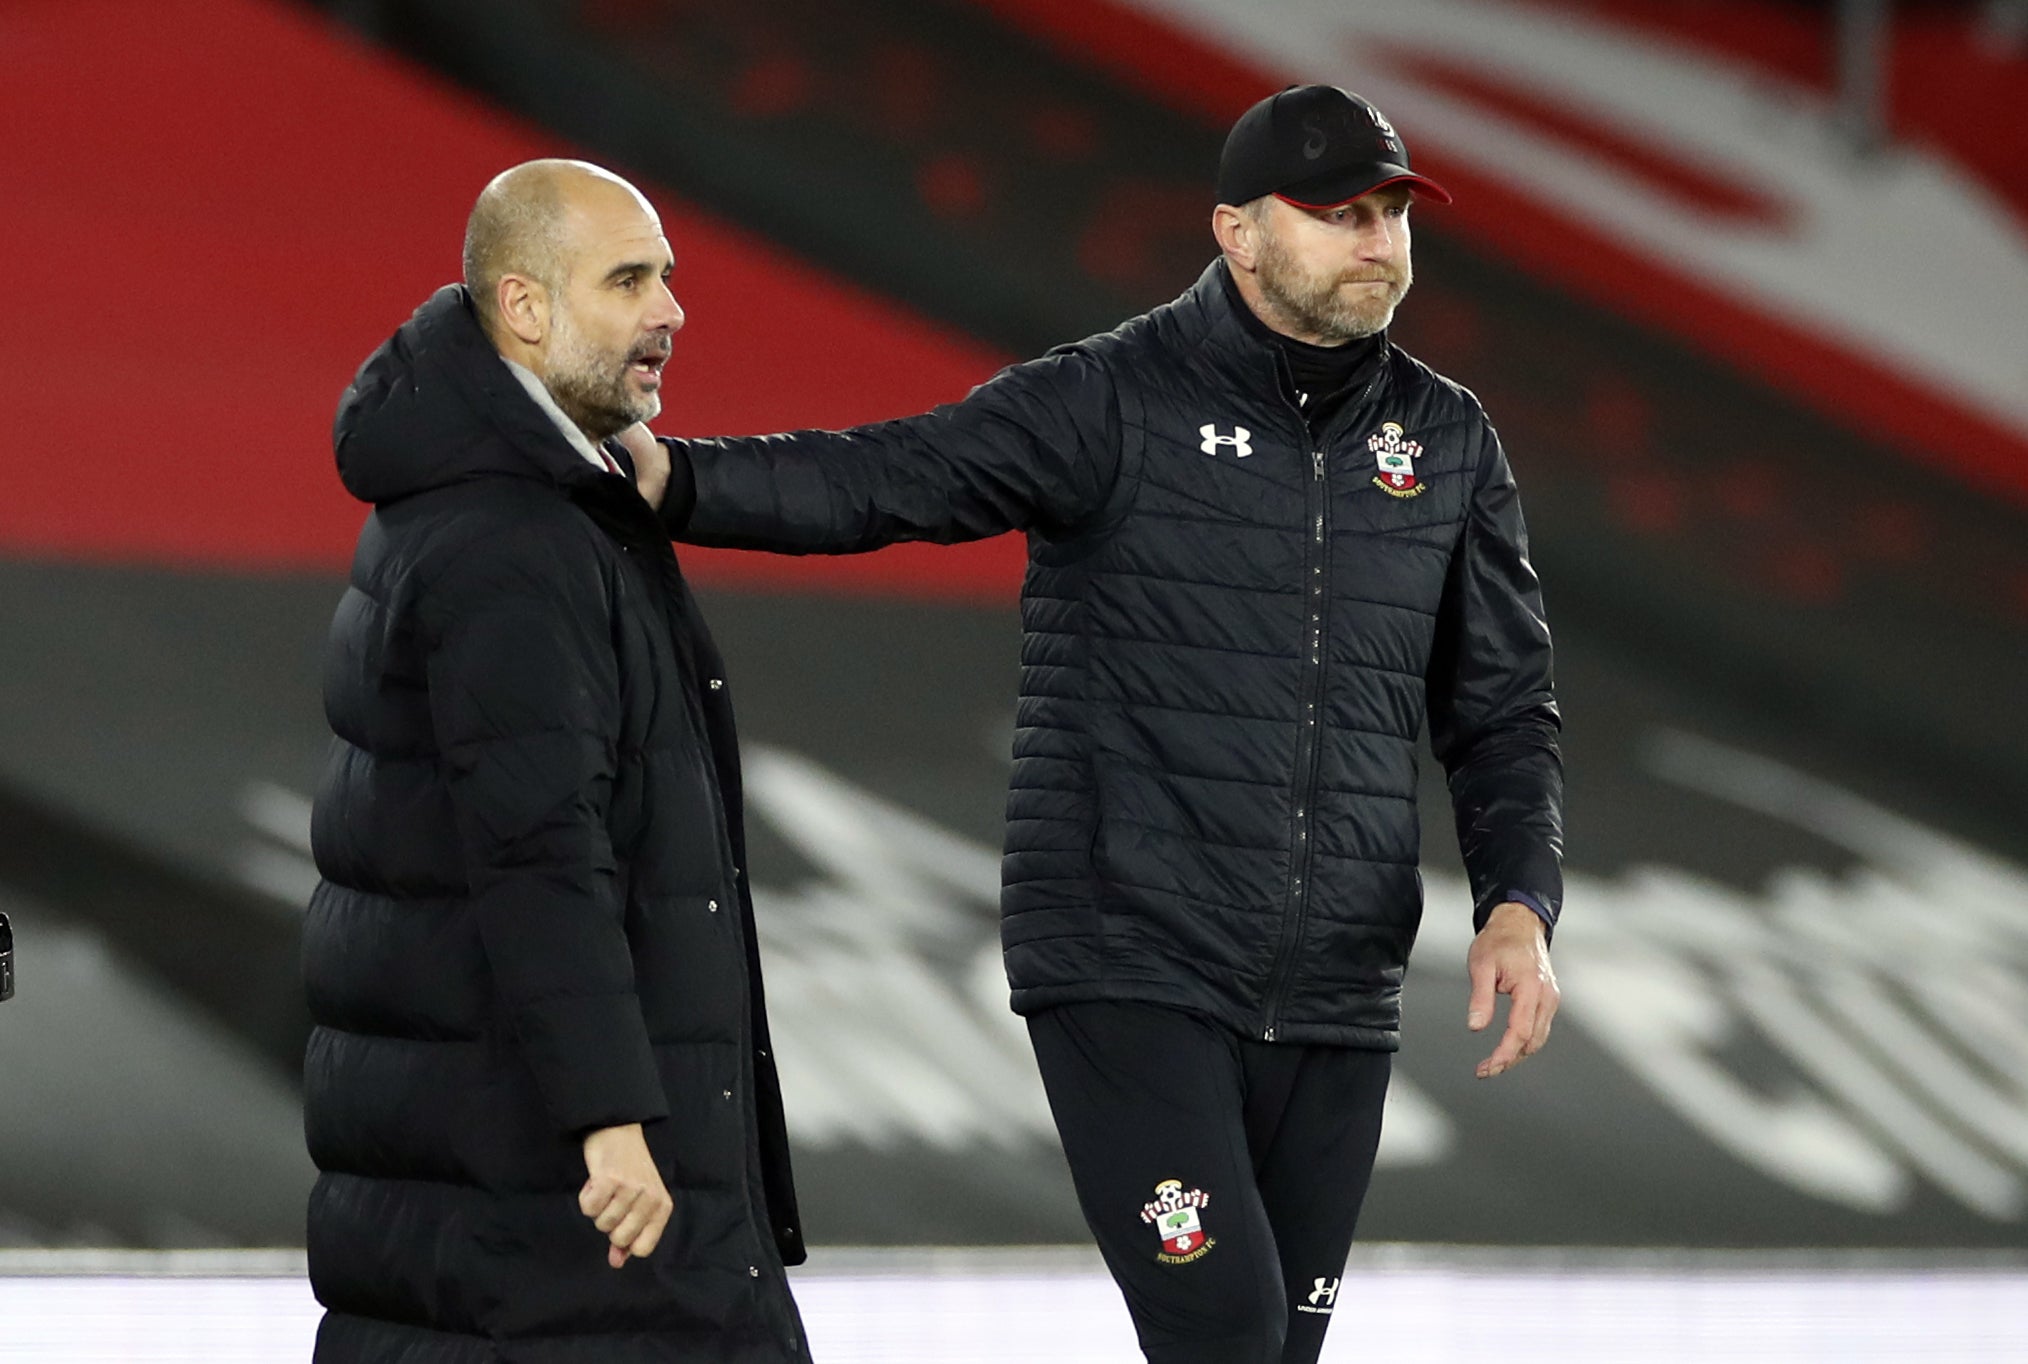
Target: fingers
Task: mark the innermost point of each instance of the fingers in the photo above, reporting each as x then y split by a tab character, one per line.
1552	999
638	1232
598	1200
1535	1002
615	1211
633	1217
623	1193
650	1234
1521	1016
1510	957
1479	1010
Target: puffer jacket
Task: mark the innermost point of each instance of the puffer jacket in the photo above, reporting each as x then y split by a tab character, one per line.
533	920
1234	633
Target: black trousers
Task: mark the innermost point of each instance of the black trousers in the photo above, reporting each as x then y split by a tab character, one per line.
1222	1177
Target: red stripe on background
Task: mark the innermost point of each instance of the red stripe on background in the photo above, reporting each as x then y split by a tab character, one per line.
221	231
1868	398
1852	390
1949	83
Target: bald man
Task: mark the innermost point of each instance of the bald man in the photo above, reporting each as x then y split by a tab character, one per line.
540	1090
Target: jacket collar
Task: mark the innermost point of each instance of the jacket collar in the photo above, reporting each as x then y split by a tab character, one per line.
1234	341
539	394
436	405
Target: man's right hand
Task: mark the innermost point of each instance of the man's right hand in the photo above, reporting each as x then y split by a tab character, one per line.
623	1192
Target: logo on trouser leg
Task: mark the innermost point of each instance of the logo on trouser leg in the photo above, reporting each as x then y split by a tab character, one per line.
1322	1298
1174	1213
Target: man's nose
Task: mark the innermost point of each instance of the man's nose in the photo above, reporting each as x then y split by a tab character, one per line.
1377	239
667	312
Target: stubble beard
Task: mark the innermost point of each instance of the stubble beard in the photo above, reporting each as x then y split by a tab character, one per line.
1316	306
591	385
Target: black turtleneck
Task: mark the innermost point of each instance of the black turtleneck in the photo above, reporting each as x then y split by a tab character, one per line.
1323	378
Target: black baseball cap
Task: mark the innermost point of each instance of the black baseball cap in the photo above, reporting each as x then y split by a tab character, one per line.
1317	147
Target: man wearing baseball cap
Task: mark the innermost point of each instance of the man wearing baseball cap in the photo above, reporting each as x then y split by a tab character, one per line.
1265	547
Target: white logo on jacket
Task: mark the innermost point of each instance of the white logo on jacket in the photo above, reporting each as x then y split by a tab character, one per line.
1237	440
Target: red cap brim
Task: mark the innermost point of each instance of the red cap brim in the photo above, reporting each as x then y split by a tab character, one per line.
1422	183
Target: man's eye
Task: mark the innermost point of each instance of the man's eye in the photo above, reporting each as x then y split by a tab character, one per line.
627	283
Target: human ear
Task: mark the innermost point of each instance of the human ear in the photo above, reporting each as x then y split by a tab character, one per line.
1237	235
524	308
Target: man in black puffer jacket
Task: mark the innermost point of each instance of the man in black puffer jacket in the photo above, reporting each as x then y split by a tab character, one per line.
1264	546
540	1091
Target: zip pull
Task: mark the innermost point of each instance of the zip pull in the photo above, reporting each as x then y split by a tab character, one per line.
1317	463
1268	1036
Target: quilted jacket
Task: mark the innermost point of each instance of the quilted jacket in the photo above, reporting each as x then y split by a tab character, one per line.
1234	633
533	920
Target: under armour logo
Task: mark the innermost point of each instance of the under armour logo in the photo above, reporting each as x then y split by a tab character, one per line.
1237	440
1325	1292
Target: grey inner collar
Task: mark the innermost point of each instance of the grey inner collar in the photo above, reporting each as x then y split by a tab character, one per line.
571	432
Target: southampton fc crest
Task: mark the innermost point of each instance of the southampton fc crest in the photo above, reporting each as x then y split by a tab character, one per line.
1396	459
1174	1214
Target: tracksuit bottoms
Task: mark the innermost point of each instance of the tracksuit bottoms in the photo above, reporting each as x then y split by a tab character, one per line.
1221	1176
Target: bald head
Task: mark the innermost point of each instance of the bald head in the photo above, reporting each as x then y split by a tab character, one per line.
523	225
569	273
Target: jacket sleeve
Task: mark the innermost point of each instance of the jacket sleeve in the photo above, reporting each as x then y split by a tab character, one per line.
1492	705
524	700
1033	448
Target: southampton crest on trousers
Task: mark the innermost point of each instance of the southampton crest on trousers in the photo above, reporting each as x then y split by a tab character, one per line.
1396	460
1174	1214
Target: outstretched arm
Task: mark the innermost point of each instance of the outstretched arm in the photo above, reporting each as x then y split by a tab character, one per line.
1034	448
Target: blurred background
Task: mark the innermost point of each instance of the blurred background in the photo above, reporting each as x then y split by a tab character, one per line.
1744	284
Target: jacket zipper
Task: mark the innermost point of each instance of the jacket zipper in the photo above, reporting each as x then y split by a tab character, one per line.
1309	746
1309	741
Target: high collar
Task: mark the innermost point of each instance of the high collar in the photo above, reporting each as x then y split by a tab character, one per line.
436	405
539	393
1234	339
1301	355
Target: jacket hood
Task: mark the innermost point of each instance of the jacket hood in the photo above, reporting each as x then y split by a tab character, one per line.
436	405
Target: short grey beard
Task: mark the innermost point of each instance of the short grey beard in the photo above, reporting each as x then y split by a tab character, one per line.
590	393
1315	307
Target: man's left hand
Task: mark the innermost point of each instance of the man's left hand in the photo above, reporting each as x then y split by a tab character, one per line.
651	462
1510	956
